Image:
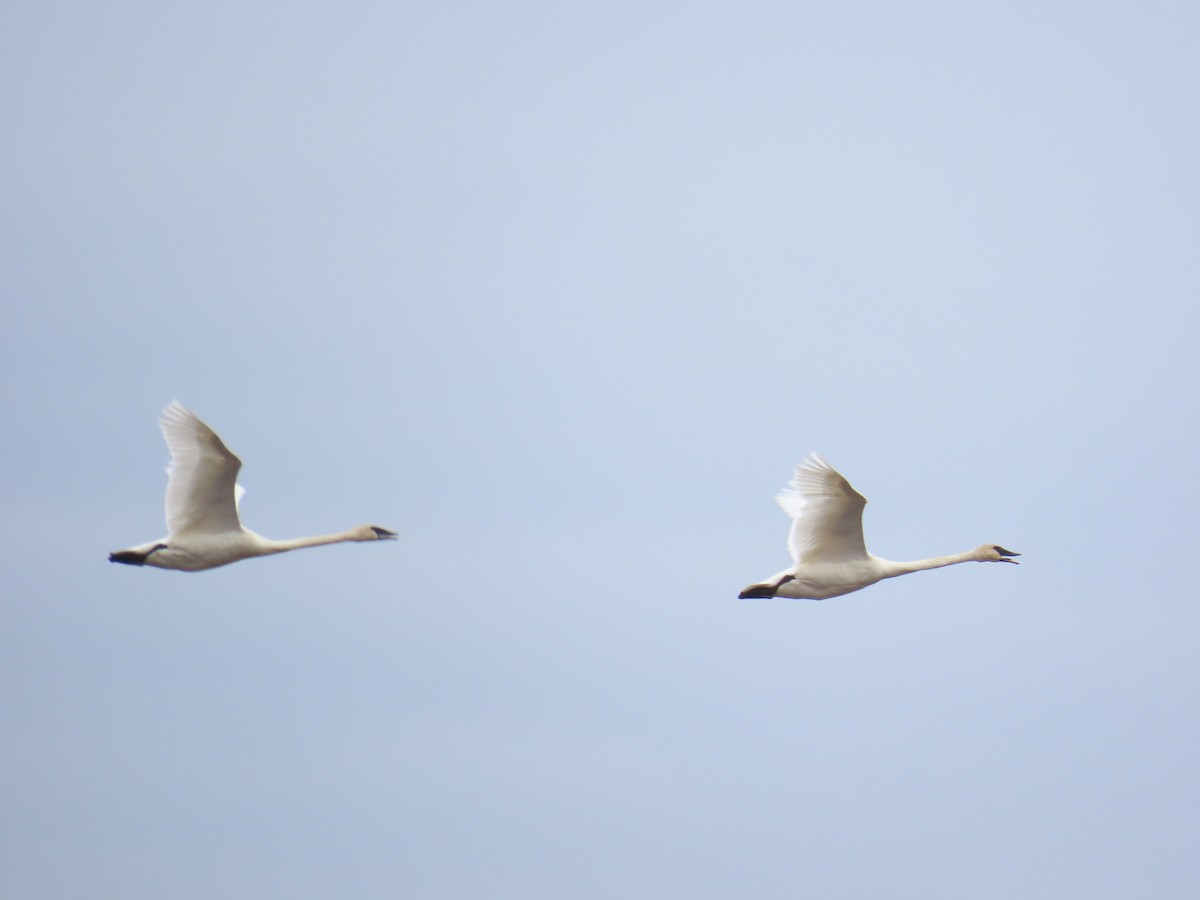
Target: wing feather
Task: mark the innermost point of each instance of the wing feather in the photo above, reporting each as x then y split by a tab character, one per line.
826	514
202	489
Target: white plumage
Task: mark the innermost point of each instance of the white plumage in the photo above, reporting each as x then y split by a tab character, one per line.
829	555
203	528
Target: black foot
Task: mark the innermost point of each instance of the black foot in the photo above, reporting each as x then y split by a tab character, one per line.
133	557
758	592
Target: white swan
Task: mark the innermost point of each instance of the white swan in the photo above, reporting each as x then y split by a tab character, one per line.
202	506
826	541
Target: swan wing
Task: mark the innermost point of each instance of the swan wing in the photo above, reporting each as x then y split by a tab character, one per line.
202	489
826	514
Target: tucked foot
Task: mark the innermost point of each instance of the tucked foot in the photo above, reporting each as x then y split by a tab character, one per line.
134	557
758	592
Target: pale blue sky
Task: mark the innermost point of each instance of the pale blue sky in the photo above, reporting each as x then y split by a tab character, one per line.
561	293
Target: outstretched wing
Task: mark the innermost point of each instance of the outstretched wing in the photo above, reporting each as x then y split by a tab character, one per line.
202	477
826	514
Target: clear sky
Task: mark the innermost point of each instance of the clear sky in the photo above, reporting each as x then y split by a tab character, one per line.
561	292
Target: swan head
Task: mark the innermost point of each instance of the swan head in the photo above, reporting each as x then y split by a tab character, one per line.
372	533
995	553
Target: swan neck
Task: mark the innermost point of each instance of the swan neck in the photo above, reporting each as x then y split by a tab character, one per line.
317	540
920	565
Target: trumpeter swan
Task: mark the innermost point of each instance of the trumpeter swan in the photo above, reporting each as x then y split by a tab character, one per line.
202	506
826	541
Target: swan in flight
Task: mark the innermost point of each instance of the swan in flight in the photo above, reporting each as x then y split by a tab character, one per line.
202	506
826	541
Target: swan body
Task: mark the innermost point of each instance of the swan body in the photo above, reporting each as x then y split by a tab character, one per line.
829	555
203	528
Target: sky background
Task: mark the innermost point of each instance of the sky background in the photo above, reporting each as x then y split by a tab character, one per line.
561	293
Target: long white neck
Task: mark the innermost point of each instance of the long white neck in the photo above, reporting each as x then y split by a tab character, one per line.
270	546
892	569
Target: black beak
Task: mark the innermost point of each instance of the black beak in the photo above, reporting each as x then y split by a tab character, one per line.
1006	554
383	534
